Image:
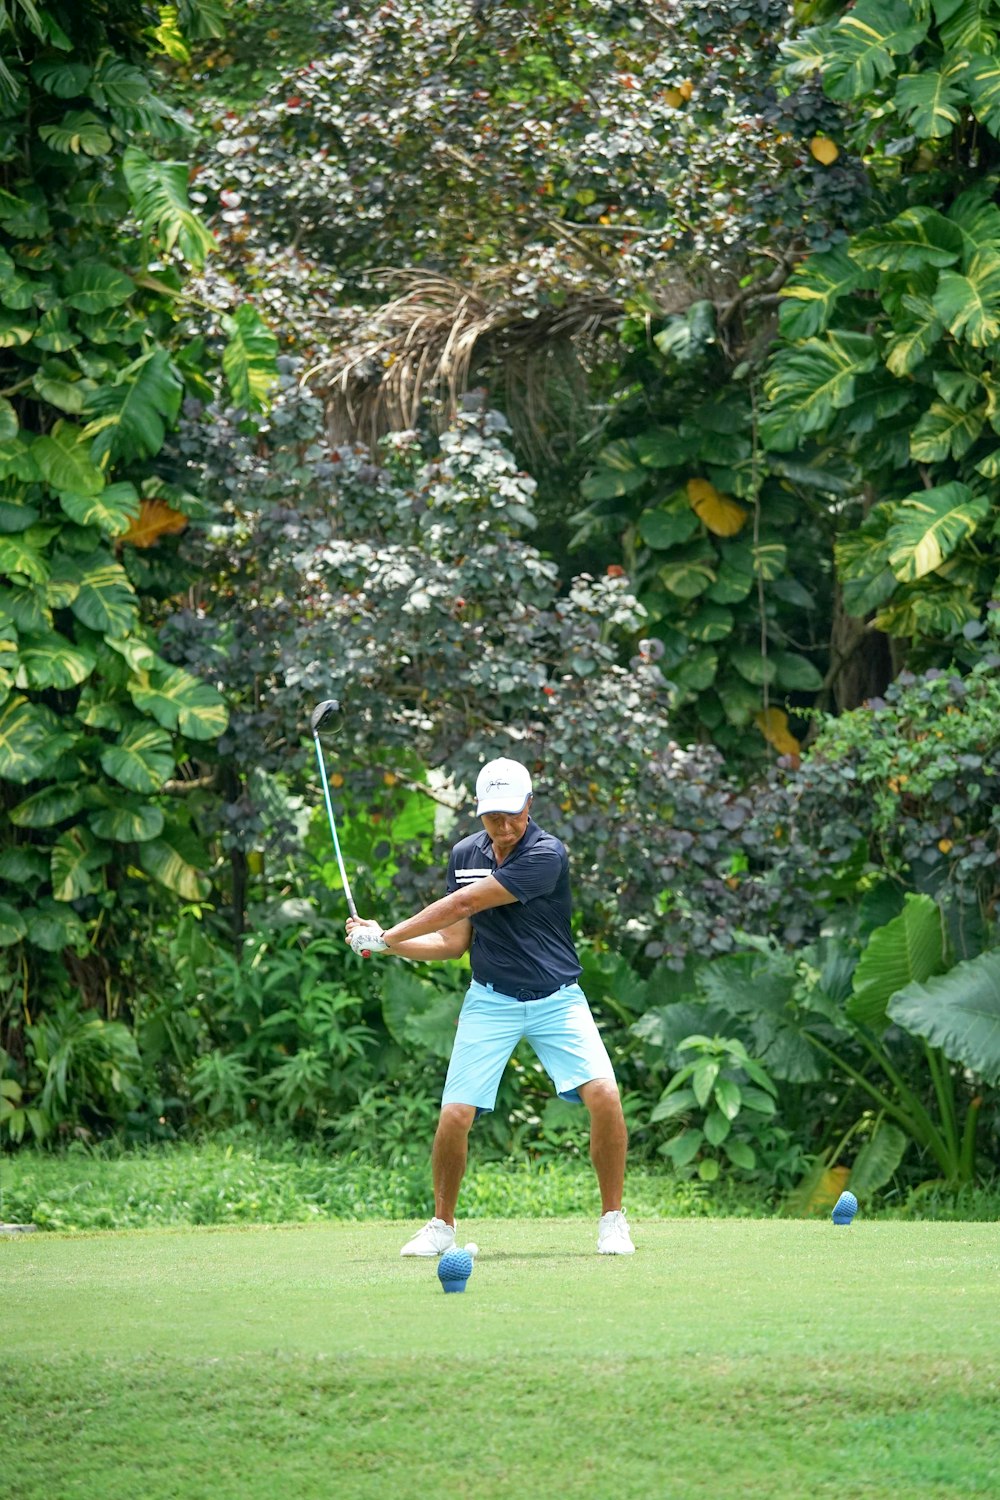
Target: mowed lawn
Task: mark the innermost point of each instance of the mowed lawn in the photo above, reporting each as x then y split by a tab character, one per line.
727	1358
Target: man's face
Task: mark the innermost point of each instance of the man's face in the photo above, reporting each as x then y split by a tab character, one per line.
507	829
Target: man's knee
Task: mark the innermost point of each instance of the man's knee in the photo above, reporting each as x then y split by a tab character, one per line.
601	1097
456	1119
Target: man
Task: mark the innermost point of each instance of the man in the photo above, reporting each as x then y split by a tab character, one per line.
509	902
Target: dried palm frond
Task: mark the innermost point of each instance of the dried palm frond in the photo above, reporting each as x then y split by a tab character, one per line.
437	338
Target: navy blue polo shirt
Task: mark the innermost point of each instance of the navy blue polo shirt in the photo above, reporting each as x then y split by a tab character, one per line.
528	944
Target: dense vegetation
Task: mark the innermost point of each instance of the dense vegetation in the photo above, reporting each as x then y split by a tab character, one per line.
607	384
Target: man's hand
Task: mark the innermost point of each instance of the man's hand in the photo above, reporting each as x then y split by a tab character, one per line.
365	937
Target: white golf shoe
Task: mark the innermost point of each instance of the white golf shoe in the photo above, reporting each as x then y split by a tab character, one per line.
434	1239
613	1237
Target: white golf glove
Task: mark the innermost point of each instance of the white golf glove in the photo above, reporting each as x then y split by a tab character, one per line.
367	939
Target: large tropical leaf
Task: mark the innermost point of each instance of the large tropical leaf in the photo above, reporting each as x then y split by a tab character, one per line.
914	338
969	305
159	193
155	519
63	460
673	523
721	514
663	448
19	558
864	42
131	416
929	525
878	1160
918	237
53	804
958	1012
248	359
177	860
128	823
921	611
981	82
114	509
141	759
66	80
179	701
689	571
930	103
77	856
92	287
51	661
968	26
909	947
101	594
23	738
808	384
79	130
618	472
812	294
796	673
53	926
12	925
945	432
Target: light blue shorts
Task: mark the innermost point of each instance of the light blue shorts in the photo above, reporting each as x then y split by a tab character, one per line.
560	1028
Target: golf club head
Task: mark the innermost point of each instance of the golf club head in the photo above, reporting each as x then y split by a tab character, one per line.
324	714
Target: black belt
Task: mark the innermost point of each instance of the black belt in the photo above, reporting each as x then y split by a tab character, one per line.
518	994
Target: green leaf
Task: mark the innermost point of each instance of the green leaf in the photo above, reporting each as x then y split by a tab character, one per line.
913	339
688	573
929	525
729	1097
945	432
78	130
810	298
65	80
159	194
807	385
970	26
672	523
19	558
769	559
864	42
909	947
249	359
989	466
53	804
930	103
113	509
16	329
619	472
92	287
132	414
717	1127
713	622
958	1012
51	661
923	611
76	858
12	925
663	448
917	238
673	1104
684	1147
142	759
103	598
53	926
796	673
740	1154
23	736
981	82
179	701
176	861
125	823
63	460
753	667
23	864
8	420
878	1160
969	305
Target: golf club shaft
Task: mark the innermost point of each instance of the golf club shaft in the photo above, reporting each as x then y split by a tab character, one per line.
333	828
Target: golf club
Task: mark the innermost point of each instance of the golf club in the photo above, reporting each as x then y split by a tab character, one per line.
322	714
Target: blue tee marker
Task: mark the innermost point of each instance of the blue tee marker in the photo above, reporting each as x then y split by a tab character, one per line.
454	1270
844	1209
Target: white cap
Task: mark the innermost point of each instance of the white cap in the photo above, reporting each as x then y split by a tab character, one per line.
502	786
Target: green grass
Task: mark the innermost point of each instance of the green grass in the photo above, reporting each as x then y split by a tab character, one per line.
726	1358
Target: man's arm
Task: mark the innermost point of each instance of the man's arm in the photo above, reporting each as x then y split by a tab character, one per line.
451	943
440	917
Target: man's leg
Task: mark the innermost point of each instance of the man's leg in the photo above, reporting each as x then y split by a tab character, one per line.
448	1157
608	1139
